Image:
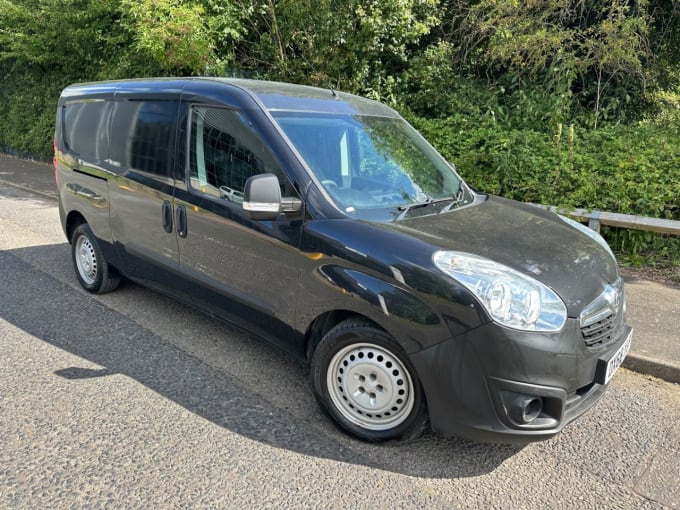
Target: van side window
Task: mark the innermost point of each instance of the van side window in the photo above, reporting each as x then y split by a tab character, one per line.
143	136
86	129
224	151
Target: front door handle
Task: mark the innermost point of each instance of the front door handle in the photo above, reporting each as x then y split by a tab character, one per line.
167	216
181	221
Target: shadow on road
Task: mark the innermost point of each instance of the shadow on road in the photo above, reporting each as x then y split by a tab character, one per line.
70	319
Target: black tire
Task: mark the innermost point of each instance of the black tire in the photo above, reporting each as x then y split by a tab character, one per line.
92	270
365	382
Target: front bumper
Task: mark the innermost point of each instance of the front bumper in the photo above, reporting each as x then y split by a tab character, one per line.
477	384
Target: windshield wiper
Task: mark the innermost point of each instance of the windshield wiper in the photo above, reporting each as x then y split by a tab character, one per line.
457	200
415	205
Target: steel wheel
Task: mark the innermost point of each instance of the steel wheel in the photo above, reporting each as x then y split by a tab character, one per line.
86	260
92	269
365	382
370	386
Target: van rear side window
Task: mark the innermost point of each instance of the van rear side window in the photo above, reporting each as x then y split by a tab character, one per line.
86	129
143	136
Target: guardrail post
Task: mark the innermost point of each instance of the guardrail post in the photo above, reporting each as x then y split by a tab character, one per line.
594	221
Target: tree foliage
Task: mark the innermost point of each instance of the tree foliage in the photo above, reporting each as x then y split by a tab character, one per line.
590	54
357	45
183	37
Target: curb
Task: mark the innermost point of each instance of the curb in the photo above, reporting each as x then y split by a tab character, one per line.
52	196
663	369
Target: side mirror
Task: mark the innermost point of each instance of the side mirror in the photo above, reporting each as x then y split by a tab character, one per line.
262	198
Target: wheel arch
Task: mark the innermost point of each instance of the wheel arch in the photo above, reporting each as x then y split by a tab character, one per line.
73	220
399	311
327	321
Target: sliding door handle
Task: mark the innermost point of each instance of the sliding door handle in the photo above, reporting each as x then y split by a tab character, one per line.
181	221
167	216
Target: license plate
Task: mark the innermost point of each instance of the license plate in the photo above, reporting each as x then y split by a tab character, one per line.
615	361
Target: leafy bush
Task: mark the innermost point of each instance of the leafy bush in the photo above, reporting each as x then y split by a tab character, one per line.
28	112
627	169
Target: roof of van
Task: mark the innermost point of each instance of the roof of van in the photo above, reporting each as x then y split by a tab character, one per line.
278	96
274	96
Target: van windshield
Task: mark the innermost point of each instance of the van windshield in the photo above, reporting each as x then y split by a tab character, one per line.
376	168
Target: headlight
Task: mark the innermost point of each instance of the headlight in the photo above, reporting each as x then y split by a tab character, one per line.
511	298
589	232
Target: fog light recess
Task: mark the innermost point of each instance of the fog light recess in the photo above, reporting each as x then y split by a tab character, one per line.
524	409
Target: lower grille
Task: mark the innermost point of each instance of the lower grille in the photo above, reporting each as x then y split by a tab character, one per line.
576	397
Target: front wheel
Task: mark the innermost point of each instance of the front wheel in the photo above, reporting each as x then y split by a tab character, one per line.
364	381
93	272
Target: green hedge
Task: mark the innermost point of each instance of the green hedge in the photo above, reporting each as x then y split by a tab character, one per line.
625	169
28	111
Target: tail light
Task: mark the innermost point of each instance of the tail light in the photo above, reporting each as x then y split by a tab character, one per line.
54	159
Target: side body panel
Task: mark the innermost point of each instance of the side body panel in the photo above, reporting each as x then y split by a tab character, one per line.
142	157
242	270
81	173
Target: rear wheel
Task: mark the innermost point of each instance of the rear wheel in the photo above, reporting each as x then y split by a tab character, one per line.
93	272
364	381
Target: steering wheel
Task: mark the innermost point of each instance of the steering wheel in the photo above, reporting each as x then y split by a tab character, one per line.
329	183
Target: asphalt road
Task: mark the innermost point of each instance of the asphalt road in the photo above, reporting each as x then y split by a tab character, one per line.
132	400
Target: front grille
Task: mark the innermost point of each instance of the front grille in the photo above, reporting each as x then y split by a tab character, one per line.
601	318
599	333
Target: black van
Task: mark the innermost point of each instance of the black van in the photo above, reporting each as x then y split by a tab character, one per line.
326	224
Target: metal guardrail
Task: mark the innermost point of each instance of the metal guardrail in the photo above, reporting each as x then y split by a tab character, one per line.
597	218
